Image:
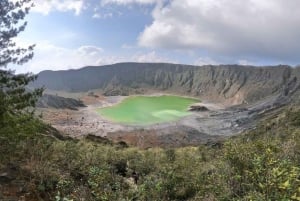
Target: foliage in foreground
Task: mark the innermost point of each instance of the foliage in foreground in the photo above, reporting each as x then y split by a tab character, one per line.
260	165
16	100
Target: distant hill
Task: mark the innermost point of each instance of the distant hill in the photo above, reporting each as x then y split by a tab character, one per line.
232	83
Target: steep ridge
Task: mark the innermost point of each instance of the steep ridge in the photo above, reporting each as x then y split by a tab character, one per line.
231	84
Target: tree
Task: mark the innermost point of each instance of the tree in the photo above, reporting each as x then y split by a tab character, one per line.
16	100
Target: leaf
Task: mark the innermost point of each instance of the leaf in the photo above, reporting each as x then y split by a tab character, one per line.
285	185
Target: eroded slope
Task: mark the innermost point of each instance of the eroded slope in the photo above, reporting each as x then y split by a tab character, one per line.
230	84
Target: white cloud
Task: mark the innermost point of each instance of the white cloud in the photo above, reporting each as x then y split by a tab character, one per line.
97	16
205	61
141	57
246	62
267	28
50	57
89	50
126	46
102	16
127	2
151	57
47	6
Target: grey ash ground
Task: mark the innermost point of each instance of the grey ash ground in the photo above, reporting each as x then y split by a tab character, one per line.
202	127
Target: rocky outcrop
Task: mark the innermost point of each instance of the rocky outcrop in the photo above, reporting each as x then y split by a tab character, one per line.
231	84
198	108
58	102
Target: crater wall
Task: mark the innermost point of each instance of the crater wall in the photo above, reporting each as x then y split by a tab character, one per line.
231	84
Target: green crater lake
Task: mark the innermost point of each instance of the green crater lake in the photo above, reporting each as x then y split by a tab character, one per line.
146	110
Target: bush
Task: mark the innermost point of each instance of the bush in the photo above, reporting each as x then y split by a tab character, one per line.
258	171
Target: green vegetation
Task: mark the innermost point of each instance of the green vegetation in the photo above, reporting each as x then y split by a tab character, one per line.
16	101
262	164
144	110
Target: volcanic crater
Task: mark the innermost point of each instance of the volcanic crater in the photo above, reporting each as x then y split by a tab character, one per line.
228	99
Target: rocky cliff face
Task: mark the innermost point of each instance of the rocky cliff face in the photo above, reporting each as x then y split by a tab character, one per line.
58	102
232	84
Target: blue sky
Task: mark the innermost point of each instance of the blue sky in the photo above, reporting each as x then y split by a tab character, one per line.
76	33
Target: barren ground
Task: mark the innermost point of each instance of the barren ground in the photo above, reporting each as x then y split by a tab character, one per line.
200	127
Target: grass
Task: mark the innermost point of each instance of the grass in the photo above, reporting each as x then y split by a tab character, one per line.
146	110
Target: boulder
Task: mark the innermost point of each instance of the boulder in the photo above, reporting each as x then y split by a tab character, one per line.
198	108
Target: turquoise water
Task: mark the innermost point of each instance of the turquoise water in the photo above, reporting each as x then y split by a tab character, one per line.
146	110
